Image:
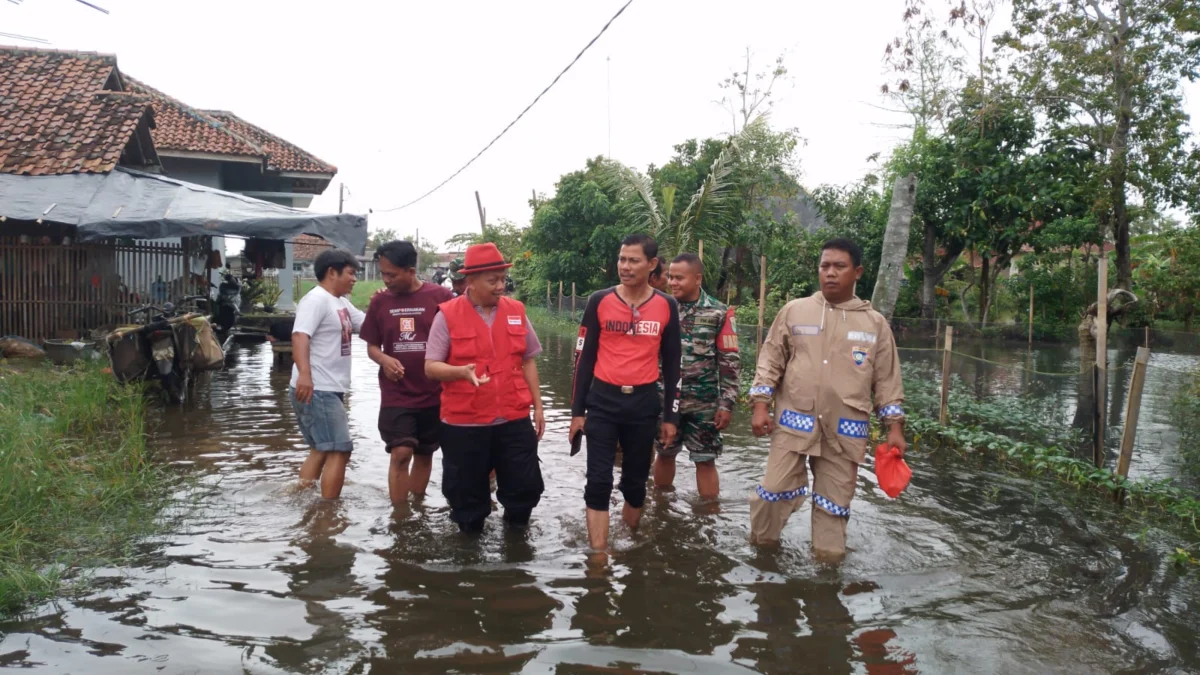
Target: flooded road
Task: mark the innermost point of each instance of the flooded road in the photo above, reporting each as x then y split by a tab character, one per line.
971	571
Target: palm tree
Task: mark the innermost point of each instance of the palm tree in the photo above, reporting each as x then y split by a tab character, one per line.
706	217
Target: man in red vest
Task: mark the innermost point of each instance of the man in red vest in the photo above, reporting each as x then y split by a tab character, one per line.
482	348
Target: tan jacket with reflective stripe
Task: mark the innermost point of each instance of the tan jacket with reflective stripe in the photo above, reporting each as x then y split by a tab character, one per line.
823	365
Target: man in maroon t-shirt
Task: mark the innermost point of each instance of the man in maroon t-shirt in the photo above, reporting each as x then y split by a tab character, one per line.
396	329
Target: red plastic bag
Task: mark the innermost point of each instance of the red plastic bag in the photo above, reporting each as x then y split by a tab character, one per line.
891	470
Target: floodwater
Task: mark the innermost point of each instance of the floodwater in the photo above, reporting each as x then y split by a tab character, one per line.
972	570
1048	373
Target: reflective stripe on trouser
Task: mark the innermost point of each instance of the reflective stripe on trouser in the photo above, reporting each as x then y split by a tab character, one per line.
785	485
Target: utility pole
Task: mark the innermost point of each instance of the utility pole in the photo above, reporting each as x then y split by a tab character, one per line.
482	213
341	196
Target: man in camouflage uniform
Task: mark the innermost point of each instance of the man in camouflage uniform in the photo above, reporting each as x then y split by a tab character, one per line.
458	281
711	368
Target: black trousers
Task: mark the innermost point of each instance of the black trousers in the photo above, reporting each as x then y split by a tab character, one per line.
628	419
470	453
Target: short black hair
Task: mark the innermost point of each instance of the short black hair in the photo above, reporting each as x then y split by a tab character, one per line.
335	258
649	246
399	253
657	271
691	259
843	244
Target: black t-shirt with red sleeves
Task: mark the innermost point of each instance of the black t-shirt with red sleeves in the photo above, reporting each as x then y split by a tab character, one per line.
623	345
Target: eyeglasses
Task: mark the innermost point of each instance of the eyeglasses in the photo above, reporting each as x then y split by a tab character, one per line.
634	315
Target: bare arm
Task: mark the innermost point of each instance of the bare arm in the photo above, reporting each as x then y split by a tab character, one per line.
300	354
444	372
530	371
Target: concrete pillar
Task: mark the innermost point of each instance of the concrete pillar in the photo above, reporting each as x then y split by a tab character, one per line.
287	283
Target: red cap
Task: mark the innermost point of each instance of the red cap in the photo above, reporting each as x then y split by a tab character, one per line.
483	258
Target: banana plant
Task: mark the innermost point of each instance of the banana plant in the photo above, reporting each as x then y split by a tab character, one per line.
706	216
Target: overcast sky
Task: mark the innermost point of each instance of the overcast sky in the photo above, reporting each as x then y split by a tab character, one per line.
399	95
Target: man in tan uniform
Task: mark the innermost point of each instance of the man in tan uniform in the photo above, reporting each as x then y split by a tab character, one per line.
826	357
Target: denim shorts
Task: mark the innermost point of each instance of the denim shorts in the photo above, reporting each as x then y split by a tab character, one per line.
323	421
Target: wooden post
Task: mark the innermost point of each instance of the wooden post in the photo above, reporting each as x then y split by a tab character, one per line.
1133	408
560	296
549	305
1030	315
937	331
572	299
482	216
1101	390
701	254
944	412
1147	337
762	295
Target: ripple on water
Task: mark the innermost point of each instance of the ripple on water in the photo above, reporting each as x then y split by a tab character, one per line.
970	571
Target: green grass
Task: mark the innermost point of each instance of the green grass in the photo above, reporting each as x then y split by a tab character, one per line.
550	322
76	485
360	298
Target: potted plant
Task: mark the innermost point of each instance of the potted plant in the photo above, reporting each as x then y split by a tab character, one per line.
270	295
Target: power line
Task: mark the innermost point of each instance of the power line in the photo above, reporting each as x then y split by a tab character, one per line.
518	118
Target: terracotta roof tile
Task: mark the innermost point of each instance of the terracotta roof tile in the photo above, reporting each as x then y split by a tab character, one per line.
62	112
281	155
181	127
306	247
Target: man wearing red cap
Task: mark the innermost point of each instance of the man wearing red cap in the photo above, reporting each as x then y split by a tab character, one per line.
482	348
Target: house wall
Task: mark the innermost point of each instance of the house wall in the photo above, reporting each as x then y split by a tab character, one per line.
199	171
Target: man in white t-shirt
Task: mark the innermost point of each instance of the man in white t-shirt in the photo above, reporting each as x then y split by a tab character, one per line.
325	320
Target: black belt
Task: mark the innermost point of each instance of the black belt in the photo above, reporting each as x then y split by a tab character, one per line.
626	389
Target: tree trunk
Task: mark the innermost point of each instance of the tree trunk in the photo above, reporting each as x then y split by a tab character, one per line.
929	280
895	245
1120	214
985	289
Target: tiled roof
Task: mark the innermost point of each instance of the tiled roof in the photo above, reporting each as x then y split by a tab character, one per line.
281	155
63	112
180	127
307	247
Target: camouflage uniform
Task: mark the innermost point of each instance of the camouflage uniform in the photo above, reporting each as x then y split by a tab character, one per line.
711	371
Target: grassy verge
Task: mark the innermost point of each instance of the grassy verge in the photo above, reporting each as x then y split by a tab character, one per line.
1028	440
547	321
76	485
360	298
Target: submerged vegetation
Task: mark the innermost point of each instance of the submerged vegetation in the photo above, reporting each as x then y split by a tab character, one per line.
76	485
1025	437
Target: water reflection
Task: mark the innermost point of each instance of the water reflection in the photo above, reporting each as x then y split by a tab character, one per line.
973	570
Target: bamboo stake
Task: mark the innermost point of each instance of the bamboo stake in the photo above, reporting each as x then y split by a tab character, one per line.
572	299
560	296
701	251
1101	389
944	412
1133	408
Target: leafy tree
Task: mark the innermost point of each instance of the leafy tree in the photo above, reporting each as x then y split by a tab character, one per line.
1107	74
575	235
381	237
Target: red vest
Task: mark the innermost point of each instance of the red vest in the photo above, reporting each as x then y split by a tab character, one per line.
506	395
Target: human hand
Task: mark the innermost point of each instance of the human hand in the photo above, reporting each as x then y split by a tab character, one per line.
468	374
392	368
761	422
304	389
539	422
667	434
895	438
722	419
576	426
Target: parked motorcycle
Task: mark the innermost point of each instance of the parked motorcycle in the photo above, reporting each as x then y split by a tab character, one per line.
228	309
168	347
